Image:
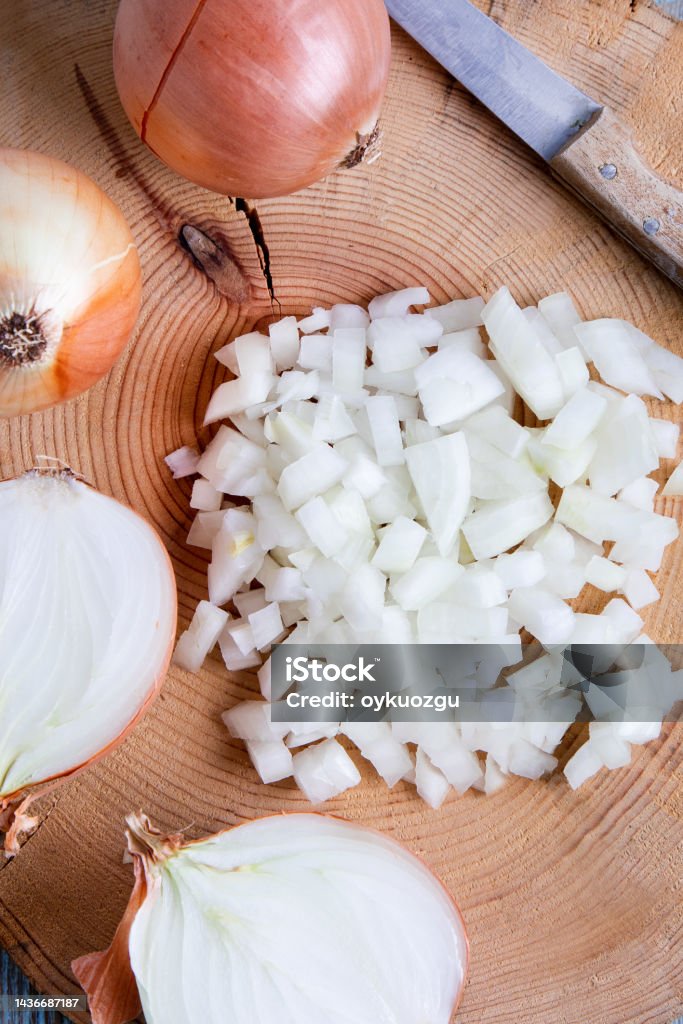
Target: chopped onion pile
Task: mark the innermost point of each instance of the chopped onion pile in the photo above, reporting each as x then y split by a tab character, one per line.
88	613
298	917
394	498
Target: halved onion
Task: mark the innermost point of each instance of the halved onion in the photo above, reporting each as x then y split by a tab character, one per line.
87	622
295	918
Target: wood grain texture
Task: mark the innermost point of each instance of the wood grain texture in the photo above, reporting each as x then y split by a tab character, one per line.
604	168
572	901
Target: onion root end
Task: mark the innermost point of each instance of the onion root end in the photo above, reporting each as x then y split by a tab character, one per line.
368	148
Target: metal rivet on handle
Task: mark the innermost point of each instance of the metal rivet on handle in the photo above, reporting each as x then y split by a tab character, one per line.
651	225
608	171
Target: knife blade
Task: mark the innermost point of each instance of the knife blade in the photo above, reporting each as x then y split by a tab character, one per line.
537	104
584	143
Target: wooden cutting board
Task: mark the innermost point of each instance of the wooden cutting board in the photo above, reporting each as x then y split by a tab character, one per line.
572	900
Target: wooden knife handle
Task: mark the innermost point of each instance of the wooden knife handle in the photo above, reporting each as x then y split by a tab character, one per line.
604	168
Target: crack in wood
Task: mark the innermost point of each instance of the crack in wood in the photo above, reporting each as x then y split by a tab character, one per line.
262	250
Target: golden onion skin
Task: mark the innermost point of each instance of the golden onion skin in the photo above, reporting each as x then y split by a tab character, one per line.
70	282
253	98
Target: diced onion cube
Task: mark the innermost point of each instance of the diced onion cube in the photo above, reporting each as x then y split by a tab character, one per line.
324	771
400	545
638	589
183	462
528	761
624	622
432	785
674	485
319	320
526	362
576	420
237	395
452	385
500	525
584	764
520	569
272	760
546	616
234	660
362	598
200	637
345	315
573	370
266	625
397	303
385	430
252	720
316	353
665	435
440	471
428	578
459	314
205	497
284	342
640	493
241	632
605	575
348	360
460	766
310	475
495	426
250	601
561	314
464	341
204	528
394	347
322	527
626	450
610	346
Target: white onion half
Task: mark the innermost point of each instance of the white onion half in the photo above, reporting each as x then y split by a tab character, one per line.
87	622
297	919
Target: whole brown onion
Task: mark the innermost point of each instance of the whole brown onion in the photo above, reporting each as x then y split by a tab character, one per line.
253	98
70	282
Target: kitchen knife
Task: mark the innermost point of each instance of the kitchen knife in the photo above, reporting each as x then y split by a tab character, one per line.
585	144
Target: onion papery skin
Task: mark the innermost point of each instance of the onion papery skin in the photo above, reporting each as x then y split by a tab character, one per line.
296	917
253	98
69	268
88	607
